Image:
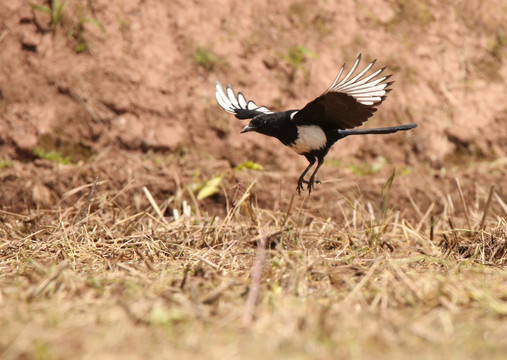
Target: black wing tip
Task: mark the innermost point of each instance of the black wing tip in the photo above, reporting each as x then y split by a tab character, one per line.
387	87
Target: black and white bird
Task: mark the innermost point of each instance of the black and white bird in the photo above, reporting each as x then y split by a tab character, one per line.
311	131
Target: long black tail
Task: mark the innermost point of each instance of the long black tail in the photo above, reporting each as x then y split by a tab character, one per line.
384	130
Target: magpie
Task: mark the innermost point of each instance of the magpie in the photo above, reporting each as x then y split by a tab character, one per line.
311	131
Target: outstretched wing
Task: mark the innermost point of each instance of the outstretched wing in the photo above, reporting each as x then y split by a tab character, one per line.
350	100
238	105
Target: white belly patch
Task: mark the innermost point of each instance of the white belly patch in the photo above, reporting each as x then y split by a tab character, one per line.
310	137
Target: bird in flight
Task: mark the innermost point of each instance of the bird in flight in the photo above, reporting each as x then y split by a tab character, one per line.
350	101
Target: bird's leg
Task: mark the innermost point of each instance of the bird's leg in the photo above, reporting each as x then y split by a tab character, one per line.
312	181
302	180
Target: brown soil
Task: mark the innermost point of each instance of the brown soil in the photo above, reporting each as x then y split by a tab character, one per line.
136	92
104	99
111	100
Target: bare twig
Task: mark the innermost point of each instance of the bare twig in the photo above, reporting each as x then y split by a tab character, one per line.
86	209
185	275
486	207
256	275
465	207
454	235
148	263
432	228
287	213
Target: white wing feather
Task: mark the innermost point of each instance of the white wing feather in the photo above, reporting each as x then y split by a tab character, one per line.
367	90
230	102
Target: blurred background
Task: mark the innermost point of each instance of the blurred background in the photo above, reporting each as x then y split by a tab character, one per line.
124	90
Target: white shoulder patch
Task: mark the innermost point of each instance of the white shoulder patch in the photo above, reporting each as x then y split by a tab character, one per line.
310	137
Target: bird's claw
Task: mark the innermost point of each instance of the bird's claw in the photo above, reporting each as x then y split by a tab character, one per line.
308	182
300	187
311	185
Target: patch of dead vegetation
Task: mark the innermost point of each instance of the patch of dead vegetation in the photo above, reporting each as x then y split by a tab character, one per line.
94	275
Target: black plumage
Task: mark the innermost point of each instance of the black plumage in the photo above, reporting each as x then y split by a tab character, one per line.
311	131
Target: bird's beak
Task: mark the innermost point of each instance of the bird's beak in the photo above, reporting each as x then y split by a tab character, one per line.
247	129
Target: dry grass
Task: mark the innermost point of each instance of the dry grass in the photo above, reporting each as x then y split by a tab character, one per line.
99	280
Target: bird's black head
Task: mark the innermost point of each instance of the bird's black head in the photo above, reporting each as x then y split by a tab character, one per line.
260	123
277	124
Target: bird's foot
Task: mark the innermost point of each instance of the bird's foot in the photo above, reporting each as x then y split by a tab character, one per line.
311	185
300	186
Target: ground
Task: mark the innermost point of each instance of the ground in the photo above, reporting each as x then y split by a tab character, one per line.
134	215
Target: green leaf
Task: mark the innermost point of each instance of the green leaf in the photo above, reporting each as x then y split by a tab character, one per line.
205	58
378	164
42	8
384	195
160	315
52	155
249	165
97	24
209	188
56	14
81	47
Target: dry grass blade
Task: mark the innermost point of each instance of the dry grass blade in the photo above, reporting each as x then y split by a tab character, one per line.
86	209
39	288
484	247
405	279
463	202
82	187
148	263
206	261
153	203
501	202
364	280
486	207
215	294
3	35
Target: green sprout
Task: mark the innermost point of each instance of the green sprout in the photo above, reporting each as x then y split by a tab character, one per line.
54	11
